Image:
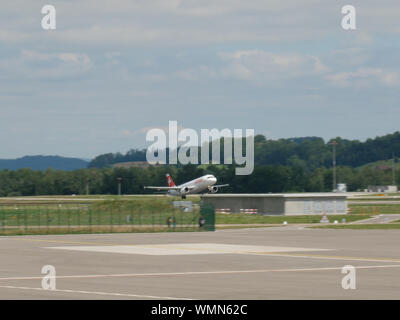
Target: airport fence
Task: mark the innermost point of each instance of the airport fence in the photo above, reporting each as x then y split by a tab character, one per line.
82	218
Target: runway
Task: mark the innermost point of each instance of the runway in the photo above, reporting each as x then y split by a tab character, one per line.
266	263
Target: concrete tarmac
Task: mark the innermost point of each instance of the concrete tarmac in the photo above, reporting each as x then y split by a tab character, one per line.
262	263
379	219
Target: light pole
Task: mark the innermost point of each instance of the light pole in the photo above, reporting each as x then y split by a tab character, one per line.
394	171
334	143
87	186
119	180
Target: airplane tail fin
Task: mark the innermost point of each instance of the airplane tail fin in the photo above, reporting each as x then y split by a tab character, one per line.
170	182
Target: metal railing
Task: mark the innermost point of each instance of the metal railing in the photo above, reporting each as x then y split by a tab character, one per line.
80	218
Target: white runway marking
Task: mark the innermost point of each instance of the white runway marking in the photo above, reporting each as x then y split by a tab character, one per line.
186	248
324	257
189	273
97	293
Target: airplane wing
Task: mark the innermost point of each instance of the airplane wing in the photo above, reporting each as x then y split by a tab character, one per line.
221	185
163	188
169	188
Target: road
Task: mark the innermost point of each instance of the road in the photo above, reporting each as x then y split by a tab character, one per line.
263	263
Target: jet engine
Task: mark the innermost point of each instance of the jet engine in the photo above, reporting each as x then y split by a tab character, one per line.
213	189
185	190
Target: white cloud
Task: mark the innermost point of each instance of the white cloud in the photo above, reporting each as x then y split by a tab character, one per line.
189	22
163	128
265	68
350	57
34	64
126	64
13	36
364	77
28	55
196	73
261	65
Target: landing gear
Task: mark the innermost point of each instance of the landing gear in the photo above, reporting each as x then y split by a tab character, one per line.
183	196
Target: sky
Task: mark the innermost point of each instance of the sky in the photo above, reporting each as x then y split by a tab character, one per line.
114	69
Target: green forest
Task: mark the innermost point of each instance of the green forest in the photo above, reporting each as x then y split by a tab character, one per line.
264	179
309	152
284	165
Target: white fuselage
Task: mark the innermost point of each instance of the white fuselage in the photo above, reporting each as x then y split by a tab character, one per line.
195	186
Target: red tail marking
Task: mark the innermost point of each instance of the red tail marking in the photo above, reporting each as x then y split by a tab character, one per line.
170	181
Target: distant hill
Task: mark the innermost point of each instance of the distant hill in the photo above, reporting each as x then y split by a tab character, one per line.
381	165
43	163
108	159
306	152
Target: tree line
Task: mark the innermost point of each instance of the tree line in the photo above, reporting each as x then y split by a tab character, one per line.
309	153
264	179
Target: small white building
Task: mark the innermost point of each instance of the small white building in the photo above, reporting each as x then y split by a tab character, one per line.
383	189
281	204
341	187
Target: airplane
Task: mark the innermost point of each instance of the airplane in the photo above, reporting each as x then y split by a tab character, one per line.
198	185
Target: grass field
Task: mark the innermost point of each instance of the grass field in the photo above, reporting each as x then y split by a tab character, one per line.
375	199
89	216
99	214
144	214
361	226
32	230
241	226
259	219
378	194
364	208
